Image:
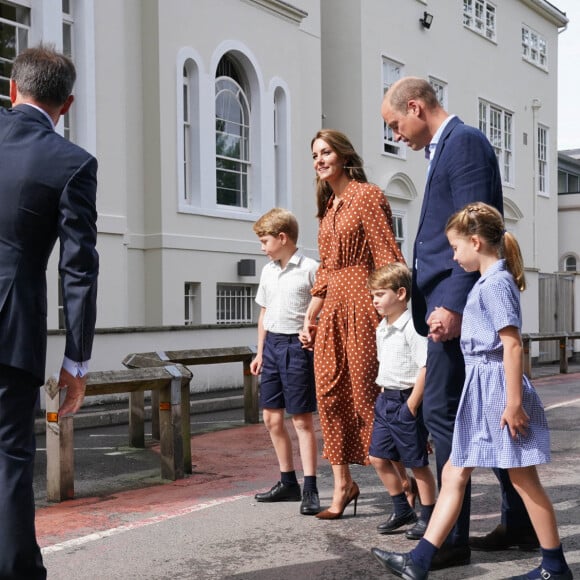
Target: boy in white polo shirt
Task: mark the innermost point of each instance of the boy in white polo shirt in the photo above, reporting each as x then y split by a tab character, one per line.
399	434
287	382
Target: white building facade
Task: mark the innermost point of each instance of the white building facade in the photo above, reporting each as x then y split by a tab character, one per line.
201	114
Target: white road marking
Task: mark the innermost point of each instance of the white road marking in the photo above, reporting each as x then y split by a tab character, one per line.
76	542
564	404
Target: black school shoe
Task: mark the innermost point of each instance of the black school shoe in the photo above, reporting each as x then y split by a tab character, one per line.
500	539
449	556
310	505
417	531
281	492
395	522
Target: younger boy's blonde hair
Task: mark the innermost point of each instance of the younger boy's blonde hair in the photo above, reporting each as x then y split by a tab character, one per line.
393	276
277	221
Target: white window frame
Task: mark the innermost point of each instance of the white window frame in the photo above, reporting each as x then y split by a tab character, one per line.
497	125
400	230
480	16
192	309
392	71
242	162
440	88
542	161
238	299
281	144
534	47
262	189
22	43
187	160
68	29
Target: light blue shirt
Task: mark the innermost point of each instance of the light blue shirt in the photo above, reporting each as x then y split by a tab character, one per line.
430	149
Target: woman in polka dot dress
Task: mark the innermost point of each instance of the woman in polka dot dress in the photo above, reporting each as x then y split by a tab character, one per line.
355	237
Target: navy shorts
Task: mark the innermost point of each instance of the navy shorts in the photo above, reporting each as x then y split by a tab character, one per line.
287	380
397	435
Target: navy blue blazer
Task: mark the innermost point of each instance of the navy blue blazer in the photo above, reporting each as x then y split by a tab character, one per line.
463	170
47	192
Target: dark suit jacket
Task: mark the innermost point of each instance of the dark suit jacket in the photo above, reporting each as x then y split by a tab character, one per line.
47	191
463	170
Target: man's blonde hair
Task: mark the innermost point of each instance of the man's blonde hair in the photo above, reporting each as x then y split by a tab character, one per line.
393	276
277	221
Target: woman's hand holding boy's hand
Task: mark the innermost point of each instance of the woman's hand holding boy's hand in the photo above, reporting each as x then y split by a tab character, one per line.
307	335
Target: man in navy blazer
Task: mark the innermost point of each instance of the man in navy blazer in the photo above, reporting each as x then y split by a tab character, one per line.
463	168
47	192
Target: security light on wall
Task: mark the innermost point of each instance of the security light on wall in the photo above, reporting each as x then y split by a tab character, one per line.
426	20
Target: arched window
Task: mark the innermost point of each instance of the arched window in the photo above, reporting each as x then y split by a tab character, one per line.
281	162
570	264
232	135
188	136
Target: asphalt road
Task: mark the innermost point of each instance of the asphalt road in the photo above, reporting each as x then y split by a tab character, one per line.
126	523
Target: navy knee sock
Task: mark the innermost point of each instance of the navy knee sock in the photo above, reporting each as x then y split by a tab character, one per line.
423	554
554	560
426	511
288	477
310	483
401	504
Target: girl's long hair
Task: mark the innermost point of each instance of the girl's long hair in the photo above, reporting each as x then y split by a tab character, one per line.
352	162
486	222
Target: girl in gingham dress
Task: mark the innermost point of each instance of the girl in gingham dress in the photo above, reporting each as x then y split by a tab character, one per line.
500	421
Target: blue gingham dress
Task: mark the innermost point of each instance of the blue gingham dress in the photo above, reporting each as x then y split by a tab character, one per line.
478	441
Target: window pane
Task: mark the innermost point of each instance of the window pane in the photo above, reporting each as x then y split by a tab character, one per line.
229	188
232	136
392	71
235	304
7	41
13	39
67	39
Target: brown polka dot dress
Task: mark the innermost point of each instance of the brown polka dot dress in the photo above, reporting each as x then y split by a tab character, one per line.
354	238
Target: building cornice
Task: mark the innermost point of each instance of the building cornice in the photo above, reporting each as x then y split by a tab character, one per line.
281	8
553	14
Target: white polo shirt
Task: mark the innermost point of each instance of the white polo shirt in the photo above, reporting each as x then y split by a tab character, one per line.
285	293
401	351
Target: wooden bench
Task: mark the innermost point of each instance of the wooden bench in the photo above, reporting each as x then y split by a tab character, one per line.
171	382
207	356
562	337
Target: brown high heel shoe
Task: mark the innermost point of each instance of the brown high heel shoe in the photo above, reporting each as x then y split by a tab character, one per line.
412	491
352	495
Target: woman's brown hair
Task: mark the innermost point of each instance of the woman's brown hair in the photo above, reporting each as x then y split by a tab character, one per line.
352	162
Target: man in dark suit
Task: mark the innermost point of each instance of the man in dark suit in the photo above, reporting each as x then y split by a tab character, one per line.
463	168
47	191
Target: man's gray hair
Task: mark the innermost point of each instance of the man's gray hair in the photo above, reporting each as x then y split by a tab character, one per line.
43	74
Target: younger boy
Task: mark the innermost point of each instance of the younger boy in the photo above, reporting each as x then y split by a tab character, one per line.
399	434
287	383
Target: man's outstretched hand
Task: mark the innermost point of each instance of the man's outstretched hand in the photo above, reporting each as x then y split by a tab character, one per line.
75	393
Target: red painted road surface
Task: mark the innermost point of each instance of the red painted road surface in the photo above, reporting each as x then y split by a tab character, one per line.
227	464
